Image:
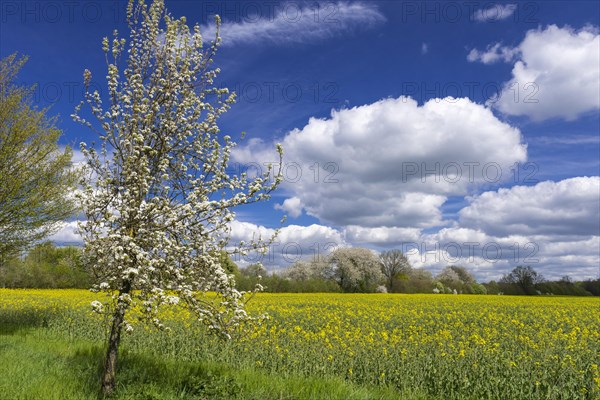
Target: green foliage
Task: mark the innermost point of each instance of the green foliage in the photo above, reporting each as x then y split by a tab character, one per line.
418	281
46	266
521	280
35	174
591	286
254	270
228	265
526	281
562	288
250	276
479	289
275	283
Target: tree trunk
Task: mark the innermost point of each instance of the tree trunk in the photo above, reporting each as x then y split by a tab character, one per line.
110	363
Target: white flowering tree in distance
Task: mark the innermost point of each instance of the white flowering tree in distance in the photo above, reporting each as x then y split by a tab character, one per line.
158	198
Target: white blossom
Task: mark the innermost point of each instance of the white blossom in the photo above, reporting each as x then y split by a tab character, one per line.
157	218
128	328
97	307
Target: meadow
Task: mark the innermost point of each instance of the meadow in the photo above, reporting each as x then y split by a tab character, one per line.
346	346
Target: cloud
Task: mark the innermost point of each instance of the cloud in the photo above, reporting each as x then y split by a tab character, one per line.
392	163
294	23
568	207
486	256
495	12
292	206
67	235
552	226
493	54
478	251
424	48
556	74
292	244
566	140
489	257
382	235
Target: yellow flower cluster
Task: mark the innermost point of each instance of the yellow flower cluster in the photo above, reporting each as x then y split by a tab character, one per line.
444	346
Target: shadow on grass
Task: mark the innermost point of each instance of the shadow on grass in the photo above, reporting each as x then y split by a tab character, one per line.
66	370
13	322
79	366
146	378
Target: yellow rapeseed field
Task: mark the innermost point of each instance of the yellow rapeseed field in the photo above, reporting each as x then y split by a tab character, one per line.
446	346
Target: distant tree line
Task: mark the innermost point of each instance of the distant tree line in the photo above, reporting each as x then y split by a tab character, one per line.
46	266
353	270
349	270
524	280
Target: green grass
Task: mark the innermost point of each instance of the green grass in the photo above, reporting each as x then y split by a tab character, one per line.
35	364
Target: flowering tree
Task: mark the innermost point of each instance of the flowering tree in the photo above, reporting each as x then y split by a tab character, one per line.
356	269
158	198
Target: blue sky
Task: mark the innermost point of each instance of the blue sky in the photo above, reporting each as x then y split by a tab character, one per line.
508	87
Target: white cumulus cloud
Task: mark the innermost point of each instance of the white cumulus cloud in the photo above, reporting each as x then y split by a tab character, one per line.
67	234
393	163
489	257
292	206
567	207
293	243
493	54
383	236
555	74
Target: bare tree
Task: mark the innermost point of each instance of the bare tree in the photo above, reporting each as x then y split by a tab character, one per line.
523	277
393	263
